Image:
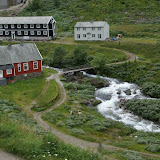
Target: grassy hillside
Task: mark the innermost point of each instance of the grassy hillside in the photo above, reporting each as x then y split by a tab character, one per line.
117	12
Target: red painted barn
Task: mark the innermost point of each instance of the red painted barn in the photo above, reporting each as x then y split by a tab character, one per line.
19	61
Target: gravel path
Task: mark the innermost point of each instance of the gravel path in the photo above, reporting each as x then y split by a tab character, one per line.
7	156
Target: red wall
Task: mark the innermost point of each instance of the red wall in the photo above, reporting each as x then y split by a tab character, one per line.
5	75
31	70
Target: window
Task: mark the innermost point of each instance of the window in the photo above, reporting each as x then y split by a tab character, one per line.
78	36
19	67
38	32
32	33
25	25
25	66
6	32
93	35
84	28
1	32
38	25
12	25
93	28
44	25
44	32
35	65
84	35
31	25
78	29
19	33
99	36
6	26
18	25
9	71
99	28
25	33
1	26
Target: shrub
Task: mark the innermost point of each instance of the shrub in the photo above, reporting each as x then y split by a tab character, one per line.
129	155
77	131
151	89
153	148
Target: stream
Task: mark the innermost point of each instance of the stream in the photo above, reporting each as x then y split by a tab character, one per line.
110	98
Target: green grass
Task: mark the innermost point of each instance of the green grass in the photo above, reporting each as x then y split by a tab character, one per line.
133	18
112	55
25	91
21	136
49	95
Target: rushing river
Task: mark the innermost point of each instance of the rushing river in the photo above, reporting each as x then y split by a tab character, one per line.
111	97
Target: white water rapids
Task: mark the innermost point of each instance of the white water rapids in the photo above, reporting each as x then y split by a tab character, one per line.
110	97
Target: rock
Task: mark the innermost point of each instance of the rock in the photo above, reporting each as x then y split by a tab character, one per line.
128	92
119	92
122	103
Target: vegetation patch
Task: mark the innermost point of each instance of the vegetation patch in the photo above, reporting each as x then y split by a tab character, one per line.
20	135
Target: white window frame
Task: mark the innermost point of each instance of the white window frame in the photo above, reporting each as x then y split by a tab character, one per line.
25	65
9	71
93	35
6	33
78	36
38	26
19	67
44	25
99	28
18	25
26	33
36	65
19	33
12	26
32	33
1	25
44	32
78	28
6	26
84	28
25	25
1	33
31	25
93	28
99	36
39	33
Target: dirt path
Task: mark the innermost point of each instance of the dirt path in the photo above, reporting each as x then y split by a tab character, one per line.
14	10
7	156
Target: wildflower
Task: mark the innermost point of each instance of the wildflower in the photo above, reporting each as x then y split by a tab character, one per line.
48	142
66	159
56	155
44	156
49	155
33	155
48	152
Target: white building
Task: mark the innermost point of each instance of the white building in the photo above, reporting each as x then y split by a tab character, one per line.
91	31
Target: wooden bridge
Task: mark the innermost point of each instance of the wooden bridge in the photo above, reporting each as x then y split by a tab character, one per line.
71	72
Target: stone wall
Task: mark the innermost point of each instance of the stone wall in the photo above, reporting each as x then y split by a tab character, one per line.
28	75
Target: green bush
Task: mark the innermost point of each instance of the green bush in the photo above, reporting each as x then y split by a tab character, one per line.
153	148
151	89
77	131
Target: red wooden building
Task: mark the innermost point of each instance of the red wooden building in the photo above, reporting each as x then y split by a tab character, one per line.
20	61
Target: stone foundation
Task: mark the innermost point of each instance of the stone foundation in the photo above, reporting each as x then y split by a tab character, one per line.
28	76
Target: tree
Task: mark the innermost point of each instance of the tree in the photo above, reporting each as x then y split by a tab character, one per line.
57	57
79	56
99	62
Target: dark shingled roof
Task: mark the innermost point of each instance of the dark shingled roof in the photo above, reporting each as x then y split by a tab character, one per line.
19	53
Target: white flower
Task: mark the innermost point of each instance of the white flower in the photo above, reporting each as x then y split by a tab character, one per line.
33	155
66	159
56	155
44	156
48	142
48	152
49	155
